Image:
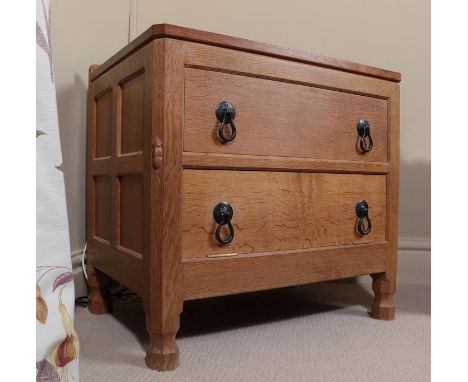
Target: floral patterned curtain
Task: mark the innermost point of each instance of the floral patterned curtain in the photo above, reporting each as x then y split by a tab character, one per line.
57	345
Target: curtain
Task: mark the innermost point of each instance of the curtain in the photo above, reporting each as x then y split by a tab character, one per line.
57	346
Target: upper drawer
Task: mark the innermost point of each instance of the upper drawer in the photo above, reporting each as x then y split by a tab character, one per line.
277	118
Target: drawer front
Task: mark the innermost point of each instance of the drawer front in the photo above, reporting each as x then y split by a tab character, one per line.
277	211
276	118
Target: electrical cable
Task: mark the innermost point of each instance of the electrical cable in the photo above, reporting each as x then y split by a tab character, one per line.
83	261
123	295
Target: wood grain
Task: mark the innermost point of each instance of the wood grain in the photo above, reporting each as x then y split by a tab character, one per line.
106	168
272	163
131	212
160	31
103	145
102	223
275	211
99	296
258	66
383	306
121	264
100	301
309	122
222	276
163	270
132	125
384	284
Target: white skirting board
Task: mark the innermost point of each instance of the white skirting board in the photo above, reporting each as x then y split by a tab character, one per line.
414	261
414	264
78	275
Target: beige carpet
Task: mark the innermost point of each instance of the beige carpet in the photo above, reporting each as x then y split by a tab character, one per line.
319	332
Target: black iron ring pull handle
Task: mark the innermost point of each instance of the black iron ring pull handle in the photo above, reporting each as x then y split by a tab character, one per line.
222	215
226	112
362	213
365	139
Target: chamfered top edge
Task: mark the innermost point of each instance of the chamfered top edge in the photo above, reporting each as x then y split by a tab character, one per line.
188	34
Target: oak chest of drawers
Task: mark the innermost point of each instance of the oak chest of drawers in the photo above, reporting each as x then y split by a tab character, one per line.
217	165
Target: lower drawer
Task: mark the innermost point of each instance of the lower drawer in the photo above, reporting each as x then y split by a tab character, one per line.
278	211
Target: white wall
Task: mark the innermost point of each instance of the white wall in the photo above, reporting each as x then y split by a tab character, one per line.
389	34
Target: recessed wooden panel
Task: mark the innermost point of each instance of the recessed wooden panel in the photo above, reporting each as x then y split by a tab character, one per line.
132	120
280	119
276	211
104	125
131	212
103	205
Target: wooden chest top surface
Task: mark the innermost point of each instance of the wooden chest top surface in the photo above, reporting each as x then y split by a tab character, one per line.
158	31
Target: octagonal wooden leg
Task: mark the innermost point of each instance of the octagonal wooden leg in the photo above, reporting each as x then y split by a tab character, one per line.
383	306
162	353
99	299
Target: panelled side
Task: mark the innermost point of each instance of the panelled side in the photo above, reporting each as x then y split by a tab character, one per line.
117	121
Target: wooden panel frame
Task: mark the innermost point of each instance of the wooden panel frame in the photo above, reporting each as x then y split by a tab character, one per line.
156	273
110	257
246	273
